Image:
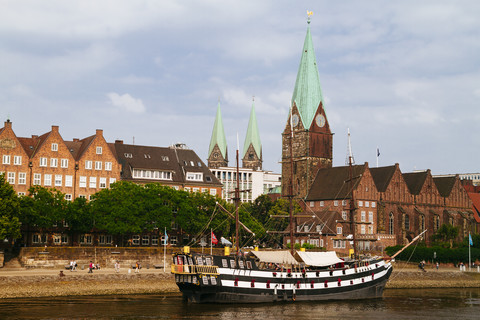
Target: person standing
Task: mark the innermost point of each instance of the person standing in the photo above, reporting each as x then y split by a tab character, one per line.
90	267
74	265
117	266
137	267
437	265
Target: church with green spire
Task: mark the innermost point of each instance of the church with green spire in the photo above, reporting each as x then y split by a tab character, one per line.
217	151
307	142
252	148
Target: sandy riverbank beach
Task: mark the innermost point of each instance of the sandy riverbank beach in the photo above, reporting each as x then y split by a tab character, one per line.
17	283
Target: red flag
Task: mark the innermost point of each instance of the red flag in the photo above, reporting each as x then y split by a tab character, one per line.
214	239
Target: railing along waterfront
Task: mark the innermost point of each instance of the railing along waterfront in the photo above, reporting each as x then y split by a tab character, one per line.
194	269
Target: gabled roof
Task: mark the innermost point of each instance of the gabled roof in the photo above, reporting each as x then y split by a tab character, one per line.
39	142
333	183
476	205
253	136
84	144
307	94
415	181
326	219
28	144
445	185
218	135
382	177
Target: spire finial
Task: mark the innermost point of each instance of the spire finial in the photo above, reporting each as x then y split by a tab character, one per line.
309	14
350	159
253	98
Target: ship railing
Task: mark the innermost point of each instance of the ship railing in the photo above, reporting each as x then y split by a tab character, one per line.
194	269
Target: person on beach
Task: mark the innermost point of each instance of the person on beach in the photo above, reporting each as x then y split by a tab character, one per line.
437	265
117	266
90	267
71	265
137	267
74	268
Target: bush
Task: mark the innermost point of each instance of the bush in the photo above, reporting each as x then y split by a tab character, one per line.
444	255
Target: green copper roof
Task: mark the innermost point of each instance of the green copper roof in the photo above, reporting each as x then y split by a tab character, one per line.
253	135
307	93
218	135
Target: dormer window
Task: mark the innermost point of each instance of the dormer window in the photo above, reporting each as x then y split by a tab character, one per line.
128	155
194	176
165	158
54	146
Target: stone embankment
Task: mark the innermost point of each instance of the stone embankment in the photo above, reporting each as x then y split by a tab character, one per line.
17	283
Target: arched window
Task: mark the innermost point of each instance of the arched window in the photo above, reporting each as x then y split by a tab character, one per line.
422	222
391	229
407	222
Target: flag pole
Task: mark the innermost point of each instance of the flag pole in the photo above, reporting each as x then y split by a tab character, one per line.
469	253
211	244
164	250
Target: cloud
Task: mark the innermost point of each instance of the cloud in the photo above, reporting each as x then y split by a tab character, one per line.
126	102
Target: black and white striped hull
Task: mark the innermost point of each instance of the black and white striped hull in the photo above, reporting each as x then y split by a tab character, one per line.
256	286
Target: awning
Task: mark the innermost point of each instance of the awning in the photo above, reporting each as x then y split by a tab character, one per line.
278	256
319	259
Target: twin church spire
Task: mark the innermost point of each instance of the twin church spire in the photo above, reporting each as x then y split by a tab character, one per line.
252	147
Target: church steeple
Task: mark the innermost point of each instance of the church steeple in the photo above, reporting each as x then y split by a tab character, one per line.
252	148
217	151
312	139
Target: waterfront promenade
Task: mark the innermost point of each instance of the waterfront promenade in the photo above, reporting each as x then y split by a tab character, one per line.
19	282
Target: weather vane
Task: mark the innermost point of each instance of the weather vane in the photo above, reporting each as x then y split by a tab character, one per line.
309	14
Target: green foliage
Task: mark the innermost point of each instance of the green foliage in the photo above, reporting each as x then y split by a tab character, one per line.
443	255
43	207
9	211
445	236
79	215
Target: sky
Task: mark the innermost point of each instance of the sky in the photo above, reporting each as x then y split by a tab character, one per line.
403	76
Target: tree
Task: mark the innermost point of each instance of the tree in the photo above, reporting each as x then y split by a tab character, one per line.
9	211
79	216
445	235
43	207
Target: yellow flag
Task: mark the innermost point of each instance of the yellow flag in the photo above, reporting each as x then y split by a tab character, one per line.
309	13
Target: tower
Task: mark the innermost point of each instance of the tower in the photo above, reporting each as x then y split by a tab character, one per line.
217	152
312	140
252	148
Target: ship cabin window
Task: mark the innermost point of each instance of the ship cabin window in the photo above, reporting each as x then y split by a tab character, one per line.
190	261
199	261
249	264
208	261
232	264
224	263
240	264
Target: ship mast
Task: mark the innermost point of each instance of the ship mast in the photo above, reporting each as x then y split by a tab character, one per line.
290	191
352	200
237	203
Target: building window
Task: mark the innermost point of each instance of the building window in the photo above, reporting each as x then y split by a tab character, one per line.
370	230
367	204
112	181
6	159
370	216
145	240
335	203
213	192
93	182
362	229
339	230
164	243
53	162
204	190
344	203
108	166
103	183
173	240
98	165
373	204
82	196
64	163
43	162
363	216
321	243
196	189
68	197
54	146
21	193
188	189
422	222
407	222
154	240
17	160
391	227
344	215
47	180
136	240
360	203
99	150
37	179
68	181
165	158
194	176
11	177
88	164
58	180
86	239
151	174
22	178
322	203
83	182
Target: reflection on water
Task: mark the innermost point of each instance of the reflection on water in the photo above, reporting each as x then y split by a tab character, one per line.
396	304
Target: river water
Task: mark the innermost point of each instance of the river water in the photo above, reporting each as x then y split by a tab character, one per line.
396	304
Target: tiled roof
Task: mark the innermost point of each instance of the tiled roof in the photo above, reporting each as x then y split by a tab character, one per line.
445	185
415	181
382	177
334	183
476	205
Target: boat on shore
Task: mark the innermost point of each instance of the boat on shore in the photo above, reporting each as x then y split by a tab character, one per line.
274	276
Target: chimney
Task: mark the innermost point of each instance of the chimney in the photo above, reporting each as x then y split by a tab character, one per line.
76	140
99	132
55	128
118	141
8	124
34	136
